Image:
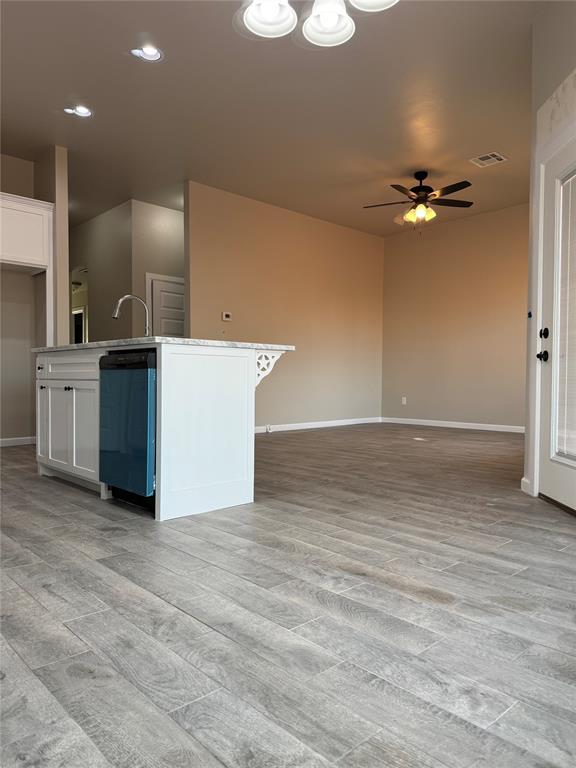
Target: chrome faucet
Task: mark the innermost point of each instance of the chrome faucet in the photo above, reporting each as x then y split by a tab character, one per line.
116	313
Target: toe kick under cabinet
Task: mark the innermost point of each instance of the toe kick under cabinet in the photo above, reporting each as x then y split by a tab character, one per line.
67	414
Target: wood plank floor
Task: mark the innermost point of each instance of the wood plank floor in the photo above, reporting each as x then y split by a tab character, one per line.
391	599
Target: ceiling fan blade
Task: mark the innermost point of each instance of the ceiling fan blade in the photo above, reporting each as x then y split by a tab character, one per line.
404	191
452	203
380	205
450	189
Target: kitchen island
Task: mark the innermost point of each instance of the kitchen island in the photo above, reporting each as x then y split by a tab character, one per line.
195	430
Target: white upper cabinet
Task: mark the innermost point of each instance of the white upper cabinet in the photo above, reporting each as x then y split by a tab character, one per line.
25	231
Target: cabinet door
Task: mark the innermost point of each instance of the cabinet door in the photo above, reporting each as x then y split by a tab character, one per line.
26	230
85	428
41	421
59	399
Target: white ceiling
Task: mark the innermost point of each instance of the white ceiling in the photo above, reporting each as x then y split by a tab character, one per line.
427	84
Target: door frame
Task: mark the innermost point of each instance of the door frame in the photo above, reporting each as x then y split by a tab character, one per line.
555	129
150	277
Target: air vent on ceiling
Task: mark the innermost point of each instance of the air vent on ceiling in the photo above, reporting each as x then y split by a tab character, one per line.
489	159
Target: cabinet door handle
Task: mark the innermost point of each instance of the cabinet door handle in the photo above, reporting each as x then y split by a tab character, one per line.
42	386
39	367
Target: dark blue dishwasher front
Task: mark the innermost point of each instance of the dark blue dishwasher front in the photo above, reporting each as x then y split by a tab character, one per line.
128	421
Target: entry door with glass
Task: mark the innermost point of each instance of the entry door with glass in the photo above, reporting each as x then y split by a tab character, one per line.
557	353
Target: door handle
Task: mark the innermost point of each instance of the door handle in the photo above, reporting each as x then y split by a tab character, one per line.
543	356
544	333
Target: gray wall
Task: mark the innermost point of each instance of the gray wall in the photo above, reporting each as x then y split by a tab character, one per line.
157	247
18	322
455	319
103	246
292	279
118	248
553	49
17	317
438	316
16	176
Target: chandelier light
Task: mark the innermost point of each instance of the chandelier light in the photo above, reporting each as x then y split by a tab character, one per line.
270	18
327	25
372	6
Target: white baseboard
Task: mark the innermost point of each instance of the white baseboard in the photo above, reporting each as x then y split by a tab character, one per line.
317	424
388	420
453	424
7	442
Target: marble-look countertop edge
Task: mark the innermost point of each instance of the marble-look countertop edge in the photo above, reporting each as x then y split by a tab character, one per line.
155	340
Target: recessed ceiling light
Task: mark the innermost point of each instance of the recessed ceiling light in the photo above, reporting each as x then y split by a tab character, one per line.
79	111
147	53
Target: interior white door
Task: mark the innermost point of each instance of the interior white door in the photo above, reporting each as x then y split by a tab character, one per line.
167	306
557	354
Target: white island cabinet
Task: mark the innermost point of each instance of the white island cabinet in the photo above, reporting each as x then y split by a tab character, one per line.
204	403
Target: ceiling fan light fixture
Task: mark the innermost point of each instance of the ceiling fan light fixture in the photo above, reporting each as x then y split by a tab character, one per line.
373	6
410	216
328	24
270	18
421	197
420	212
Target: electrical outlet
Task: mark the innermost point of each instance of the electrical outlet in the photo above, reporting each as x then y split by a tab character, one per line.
404	399
227	317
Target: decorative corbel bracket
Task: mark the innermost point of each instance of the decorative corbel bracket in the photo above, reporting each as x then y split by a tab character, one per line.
265	362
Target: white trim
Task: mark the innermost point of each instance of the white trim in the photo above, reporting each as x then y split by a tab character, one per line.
8	442
47	211
545	148
389	420
27	202
150	277
46	470
526	486
454	424
317	424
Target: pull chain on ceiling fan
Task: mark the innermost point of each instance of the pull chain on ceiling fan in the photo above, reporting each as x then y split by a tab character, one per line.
423	197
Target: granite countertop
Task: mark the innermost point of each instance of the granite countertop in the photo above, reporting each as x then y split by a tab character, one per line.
154	340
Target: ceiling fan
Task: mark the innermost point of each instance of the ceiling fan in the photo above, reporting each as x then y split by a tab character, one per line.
422	197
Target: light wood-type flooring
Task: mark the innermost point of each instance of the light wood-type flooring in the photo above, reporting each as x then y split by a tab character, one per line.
391	600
